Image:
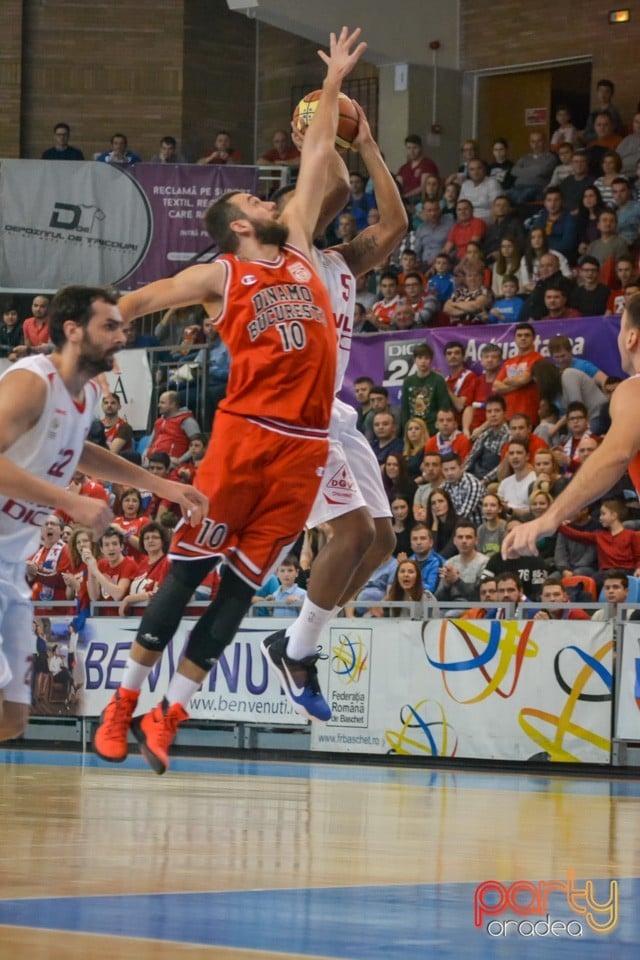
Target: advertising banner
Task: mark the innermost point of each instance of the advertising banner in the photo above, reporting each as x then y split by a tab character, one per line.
628	705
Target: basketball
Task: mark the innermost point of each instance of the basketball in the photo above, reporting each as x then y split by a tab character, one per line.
347	117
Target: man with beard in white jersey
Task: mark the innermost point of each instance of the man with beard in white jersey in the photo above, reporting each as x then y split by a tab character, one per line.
351	496
47	406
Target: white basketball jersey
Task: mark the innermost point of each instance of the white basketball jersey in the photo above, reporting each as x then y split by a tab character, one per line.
341	286
50	450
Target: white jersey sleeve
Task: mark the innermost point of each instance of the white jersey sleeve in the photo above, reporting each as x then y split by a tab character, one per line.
341	286
50	450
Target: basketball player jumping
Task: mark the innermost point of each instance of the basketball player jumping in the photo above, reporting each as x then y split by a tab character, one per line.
47	405
619	450
269	446
351	496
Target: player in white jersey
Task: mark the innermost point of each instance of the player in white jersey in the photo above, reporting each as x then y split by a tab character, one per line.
47	405
351	496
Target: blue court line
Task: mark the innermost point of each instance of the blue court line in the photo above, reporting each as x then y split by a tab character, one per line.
346	772
411	922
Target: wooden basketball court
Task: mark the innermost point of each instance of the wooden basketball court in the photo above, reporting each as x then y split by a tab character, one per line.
247	860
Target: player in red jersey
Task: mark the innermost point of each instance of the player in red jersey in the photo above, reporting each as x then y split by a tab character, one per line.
619	450
46	410
263	465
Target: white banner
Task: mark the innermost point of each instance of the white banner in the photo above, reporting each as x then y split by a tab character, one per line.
506	690
132	383
628	705
71	222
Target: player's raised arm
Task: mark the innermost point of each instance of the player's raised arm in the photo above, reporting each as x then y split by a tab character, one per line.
302	212
199	284
374	244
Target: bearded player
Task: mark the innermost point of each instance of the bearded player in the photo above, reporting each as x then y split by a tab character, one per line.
263	466
619	450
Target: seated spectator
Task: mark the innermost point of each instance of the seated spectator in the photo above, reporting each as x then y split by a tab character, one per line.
488	595
189	463
360	202
627	209
119	153
465	490
527	573
441	521
572	187
362	387
484	456
508	307
479	189
427	559
170	329
46	567
506	265
491	531
532	172
515	381
289	596
415	439
283	153
560	227
572	557
173	428
432	189
385	440
589	296
616	591
591	206
626	275
611	167
547	471
35	329
409	263
168	152
383	310
472	262
515	490
605	90
536	248
407	586
414	293
449	202
470	302
460	575
470	151
520	428
554	592
467	227
11	335
396	479
539	503
447	437
403	318
130	522
564	168
214	357
428	385
561	353
550	276
501	167
474	419
401	523
550	423
432	234
609	247
118	433
61	149
412	174
81	544
604	145
617	547
223	151
629	149
431	478
565	132
556	304
504	223
153	567
361	322
110	577
378	402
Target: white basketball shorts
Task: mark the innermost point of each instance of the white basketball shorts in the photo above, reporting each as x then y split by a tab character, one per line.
17	639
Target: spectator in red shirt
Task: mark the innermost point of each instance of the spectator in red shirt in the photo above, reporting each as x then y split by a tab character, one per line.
173	428
554	592
461	382
81	546
412	175
556	304
617	547
131	521
222	152
110	577
152	569
448	438
283	152
383	310
45	569
466	229
35	329
515	381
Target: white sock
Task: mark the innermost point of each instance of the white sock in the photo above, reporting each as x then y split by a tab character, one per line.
134	675
304	634
181	689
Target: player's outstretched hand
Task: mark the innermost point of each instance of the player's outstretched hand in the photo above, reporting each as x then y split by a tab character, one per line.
341	58
364	134
193	504
95	514
521	541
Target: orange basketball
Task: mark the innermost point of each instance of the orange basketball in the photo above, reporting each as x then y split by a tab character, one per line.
347	117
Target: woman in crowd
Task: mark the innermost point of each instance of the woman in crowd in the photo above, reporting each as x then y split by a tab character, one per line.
401	523
507	263
441	520
611	168
539	503
396	479
406	587
473	262
154	567
131	521
450	199
537	246
589	212
432	189
416	435
81	546
501	167
492	530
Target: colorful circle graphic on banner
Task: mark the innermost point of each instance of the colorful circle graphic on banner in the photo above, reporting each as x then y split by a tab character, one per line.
424	730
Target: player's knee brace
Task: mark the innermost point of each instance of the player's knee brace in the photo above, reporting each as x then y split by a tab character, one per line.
219	624
162	617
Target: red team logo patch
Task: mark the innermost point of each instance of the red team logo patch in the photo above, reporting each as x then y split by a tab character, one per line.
340	487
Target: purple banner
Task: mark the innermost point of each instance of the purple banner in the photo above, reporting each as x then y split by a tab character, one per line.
388	357
177	196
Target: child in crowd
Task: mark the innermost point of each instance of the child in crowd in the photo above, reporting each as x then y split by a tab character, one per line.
441	284
492	530
509	307
566	132
289	595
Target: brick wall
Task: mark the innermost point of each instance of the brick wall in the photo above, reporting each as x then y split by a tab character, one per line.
10	77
